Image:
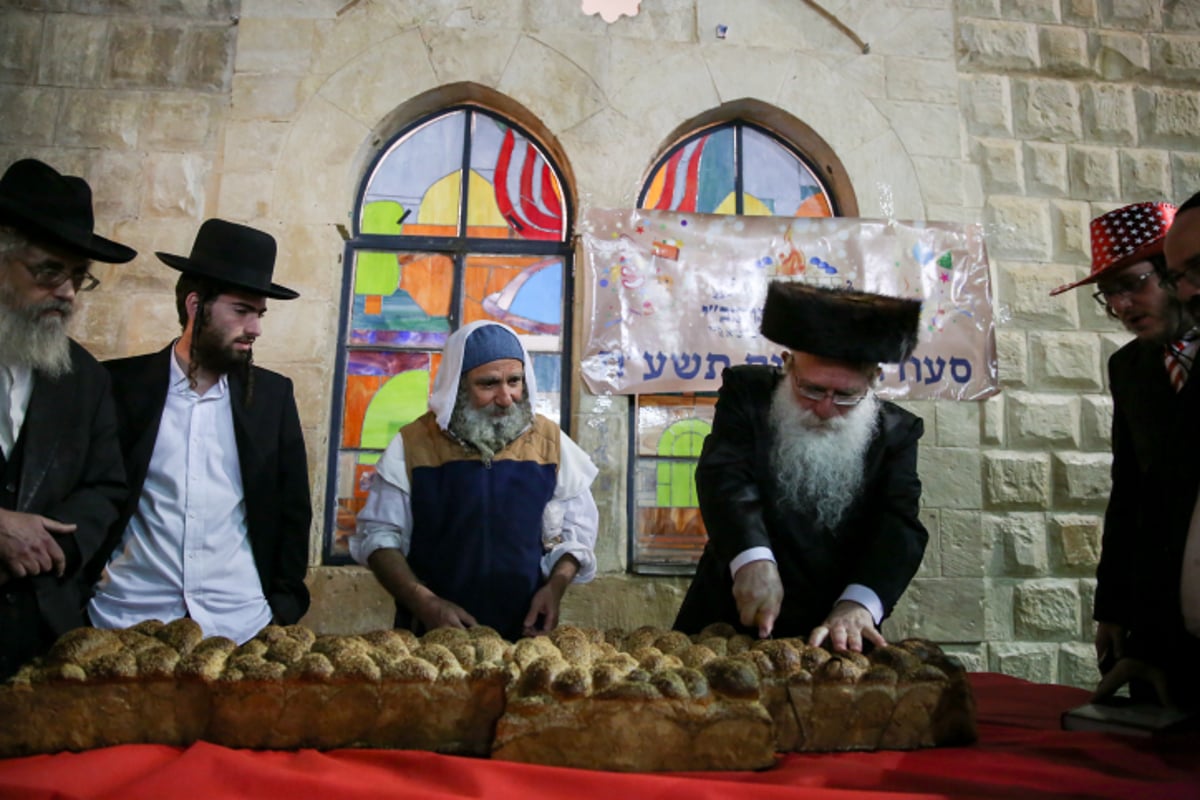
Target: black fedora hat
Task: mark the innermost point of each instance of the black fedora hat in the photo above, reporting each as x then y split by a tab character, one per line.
237	255
38	201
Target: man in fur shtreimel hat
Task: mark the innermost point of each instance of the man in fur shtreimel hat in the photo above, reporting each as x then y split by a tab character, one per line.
808	482
216	526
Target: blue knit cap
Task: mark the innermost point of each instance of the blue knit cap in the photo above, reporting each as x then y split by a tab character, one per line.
490	343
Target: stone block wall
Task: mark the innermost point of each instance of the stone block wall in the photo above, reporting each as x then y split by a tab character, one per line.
1028	117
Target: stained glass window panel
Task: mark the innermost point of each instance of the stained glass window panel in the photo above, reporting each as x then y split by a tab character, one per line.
385	390
698	176
523	292
776	182
401	299
524	199
547	371
353	482
416	188
667	538
669	532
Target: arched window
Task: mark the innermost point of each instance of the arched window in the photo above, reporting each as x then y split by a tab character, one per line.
730	167
462	216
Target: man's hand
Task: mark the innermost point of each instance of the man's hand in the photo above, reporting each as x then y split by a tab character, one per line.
436	612
758	593
1110	644
391	568
547	600
27	546
544	605
846	627
1125	670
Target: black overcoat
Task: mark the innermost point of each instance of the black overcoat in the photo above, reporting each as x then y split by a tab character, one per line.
879	543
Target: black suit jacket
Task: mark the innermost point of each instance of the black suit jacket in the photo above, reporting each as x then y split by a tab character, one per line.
1155	473
71	472
273	463
879	543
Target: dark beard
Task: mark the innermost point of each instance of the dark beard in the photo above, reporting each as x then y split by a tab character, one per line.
28	339
210	353
487	429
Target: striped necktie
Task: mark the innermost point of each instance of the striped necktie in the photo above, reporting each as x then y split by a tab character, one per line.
1179	356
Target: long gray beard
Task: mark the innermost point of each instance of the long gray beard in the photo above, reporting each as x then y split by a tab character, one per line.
488	429
26	339
818	464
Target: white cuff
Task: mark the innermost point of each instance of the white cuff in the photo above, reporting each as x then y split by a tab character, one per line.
866	597
746	556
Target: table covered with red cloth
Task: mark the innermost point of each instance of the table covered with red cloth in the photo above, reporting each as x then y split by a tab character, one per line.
1021	753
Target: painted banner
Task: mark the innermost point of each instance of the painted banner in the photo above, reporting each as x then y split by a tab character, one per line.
672	299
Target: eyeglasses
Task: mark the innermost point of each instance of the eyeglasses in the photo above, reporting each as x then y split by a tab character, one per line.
1170	280
48	277
1126	288
819	393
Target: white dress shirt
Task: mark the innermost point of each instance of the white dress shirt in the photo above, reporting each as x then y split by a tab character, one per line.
186	550
16	384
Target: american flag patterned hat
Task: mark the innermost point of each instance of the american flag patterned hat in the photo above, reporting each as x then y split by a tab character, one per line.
1125	236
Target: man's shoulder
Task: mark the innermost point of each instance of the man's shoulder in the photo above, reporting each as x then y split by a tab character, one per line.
270	379
130	364
421	426
750	377
1133	353
81	359
546	426
896	419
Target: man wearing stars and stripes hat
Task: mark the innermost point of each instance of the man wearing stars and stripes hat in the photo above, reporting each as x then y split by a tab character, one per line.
1149	504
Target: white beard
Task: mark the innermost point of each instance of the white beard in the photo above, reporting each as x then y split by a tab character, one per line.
818	464
489	430
28	339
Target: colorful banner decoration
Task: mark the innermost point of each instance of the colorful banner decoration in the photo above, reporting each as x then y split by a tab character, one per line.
672	299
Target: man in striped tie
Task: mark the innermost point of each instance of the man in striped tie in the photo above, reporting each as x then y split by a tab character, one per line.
1148	504
1182	251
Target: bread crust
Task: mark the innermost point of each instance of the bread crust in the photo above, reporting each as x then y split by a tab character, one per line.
640	700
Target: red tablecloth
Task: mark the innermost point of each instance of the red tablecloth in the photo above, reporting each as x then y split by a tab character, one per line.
1021	753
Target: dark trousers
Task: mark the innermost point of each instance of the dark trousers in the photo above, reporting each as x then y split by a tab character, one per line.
23	633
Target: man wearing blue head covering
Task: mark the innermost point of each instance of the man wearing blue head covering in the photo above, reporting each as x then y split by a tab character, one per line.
480	511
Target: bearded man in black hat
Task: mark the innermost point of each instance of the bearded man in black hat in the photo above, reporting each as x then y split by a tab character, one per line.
217	523
62	481
808	482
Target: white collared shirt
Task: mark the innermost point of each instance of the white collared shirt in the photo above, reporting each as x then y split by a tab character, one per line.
17	383
186	550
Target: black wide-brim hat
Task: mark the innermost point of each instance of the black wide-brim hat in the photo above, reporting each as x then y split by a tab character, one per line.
57	209
235	255
841	324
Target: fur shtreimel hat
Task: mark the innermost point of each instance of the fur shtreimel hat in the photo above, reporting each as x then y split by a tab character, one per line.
841	324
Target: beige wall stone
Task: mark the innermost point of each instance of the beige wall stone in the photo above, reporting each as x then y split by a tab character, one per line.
1076	539
1017	544
1016	478
1033	662
1047	610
